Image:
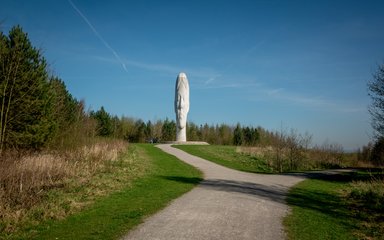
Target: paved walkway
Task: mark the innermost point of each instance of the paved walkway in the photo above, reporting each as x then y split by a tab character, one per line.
228	204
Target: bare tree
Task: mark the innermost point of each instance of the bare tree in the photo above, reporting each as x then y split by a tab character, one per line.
279	146
376	109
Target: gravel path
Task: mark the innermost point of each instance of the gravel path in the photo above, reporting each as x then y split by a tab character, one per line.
227	204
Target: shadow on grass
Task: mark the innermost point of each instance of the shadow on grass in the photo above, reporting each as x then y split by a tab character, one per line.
337	175
342	175
188	180
321	202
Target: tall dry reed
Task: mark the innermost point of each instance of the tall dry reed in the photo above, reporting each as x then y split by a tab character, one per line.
25	178
304	159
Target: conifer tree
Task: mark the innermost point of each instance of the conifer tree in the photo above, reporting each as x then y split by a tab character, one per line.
238	137
26	118
104	122
168	131
66	107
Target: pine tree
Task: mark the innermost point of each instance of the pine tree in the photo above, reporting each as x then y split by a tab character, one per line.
104	122
238	137
66	107
168	131
148	131
26	118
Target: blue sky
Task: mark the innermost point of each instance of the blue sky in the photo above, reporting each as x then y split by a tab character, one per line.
296	64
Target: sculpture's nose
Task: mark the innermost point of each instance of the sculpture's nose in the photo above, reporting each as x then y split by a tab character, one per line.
181	105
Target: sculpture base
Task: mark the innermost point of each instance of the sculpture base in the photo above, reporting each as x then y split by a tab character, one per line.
181	135
186	143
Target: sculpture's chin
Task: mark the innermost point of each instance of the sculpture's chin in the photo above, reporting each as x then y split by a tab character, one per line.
182	125
182	120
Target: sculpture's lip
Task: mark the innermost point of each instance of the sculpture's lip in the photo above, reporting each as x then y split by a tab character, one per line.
182	75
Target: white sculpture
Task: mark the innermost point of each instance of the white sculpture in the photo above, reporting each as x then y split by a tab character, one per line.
181	106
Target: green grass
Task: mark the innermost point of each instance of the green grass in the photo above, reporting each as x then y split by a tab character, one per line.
318	212
228	157
327	209
112	216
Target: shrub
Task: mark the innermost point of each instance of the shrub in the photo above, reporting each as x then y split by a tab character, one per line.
369	193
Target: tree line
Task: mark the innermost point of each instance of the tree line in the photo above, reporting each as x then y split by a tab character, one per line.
285	150
137	130
38	111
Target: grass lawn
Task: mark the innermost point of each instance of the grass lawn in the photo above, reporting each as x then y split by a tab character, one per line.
325	209
112	216
228	157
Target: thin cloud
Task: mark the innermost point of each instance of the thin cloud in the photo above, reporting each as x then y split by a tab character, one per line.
153	66
142	65
309	101
275	91
209	80
98	35
208	75
228	85
203	78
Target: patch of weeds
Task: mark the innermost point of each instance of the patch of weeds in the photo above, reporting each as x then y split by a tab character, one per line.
74	194
228	157
366	203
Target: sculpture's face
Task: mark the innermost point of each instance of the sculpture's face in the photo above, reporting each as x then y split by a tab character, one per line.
182	119
182	102
182	108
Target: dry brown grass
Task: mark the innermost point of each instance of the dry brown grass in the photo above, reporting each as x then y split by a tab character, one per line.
304	159
365	200
52	184
259	152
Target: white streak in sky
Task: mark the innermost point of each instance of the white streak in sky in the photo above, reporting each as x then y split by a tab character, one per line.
310	101
98	35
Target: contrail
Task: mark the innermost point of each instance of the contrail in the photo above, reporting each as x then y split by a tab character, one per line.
98	35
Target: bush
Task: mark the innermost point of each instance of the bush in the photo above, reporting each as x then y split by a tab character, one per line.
377	155
25	176
29	179
369	193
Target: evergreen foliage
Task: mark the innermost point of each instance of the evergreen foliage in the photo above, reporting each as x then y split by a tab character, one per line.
27	114
36	108
104	122
140	127
377	155
168	130
67	109
251	136
238	137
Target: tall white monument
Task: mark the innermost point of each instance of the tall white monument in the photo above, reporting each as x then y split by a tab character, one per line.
181	106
